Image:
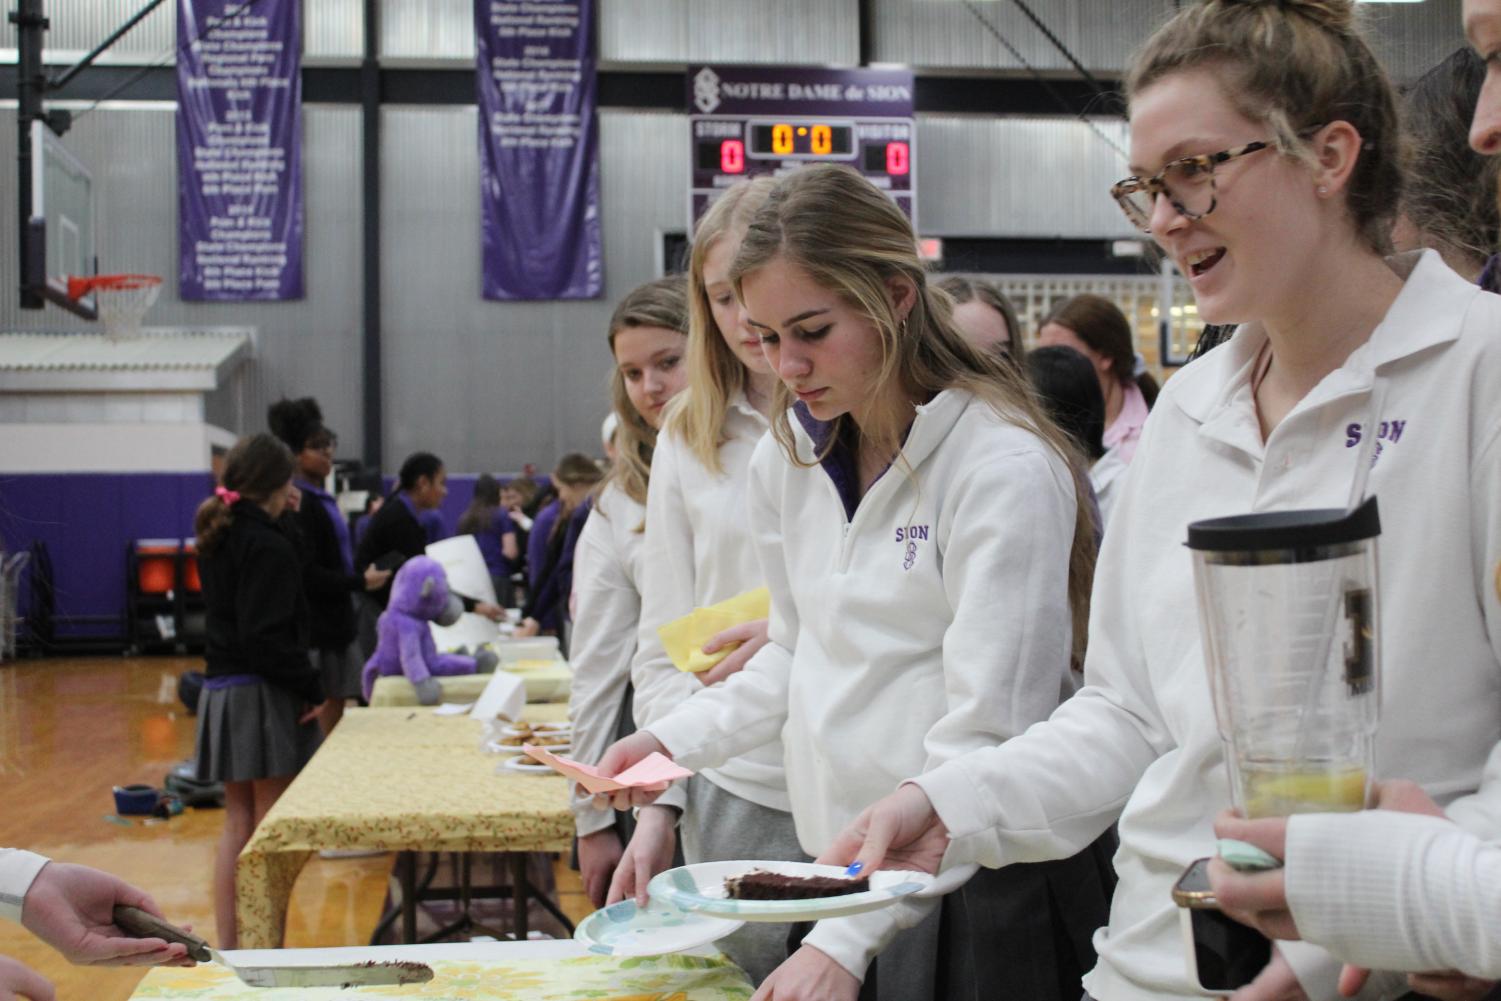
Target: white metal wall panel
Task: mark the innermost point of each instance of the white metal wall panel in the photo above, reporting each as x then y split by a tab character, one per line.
332	31
651	31
489	385
1018	177
945	34
813	32
79	25
428	30
308	347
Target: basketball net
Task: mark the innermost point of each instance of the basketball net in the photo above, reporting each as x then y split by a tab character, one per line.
122	300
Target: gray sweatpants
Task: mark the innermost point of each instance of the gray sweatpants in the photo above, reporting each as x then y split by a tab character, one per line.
718	826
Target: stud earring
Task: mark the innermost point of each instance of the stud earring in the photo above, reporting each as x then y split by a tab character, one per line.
1323	191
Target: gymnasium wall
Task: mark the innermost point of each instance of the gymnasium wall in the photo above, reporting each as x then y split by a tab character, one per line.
493	386
490	385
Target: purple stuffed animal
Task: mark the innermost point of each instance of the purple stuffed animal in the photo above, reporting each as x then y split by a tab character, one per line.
419	595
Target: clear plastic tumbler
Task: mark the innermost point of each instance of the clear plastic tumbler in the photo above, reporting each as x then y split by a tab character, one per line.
1287	608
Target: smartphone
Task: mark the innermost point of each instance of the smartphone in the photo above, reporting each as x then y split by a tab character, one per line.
390	560
1223	955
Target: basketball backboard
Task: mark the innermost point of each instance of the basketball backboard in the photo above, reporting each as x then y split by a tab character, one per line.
60	231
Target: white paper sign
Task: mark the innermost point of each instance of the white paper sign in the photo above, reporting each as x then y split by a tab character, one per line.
505	695
465	566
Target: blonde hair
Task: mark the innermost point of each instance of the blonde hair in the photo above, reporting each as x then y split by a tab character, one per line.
661	303
715	375
1296	65
848	237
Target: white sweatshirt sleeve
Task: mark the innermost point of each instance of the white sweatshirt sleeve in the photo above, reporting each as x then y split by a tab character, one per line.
666	585
18	870
1396	891
604	638
1480	812
749	708
666	588
1035	797
1008	530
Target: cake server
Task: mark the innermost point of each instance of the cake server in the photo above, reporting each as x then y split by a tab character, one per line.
140	924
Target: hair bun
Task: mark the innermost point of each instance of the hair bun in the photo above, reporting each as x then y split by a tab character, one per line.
1335	15
294	421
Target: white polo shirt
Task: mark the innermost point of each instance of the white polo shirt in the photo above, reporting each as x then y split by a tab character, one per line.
698	552
932	622
1139	741
606	568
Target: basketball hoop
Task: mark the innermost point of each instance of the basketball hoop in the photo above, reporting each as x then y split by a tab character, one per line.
123	300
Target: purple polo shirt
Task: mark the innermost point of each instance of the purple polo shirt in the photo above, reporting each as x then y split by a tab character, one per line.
341	527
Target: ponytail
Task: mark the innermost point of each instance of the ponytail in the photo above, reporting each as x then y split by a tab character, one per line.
211	521
253	470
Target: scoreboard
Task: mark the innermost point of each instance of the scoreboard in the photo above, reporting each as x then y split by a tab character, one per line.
768	121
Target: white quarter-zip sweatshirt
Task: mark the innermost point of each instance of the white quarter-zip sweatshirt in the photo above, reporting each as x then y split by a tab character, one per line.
1139	742
1396	891
932	622
18	869
606	567
698	552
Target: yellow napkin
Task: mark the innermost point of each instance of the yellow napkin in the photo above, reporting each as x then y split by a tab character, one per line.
684	638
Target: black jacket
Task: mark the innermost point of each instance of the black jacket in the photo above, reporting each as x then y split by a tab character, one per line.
257	614
328	586
392	529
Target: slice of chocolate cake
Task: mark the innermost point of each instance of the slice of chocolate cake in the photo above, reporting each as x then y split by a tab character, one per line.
758	884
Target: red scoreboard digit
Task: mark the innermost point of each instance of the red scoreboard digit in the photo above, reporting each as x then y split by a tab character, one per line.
898	158
732	156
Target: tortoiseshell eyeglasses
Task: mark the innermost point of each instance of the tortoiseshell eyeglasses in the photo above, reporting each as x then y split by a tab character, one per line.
1188	183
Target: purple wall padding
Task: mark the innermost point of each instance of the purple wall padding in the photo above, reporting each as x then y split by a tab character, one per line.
87	520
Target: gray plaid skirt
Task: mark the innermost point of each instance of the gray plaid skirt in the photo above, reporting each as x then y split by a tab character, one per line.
250	731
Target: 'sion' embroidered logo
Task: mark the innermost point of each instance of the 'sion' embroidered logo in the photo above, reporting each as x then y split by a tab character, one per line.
911	535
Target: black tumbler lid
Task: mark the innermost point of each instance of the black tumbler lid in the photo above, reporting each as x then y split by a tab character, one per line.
1305	529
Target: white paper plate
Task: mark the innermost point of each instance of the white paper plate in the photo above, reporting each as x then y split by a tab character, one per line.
623	929
496	747
701	888
527	765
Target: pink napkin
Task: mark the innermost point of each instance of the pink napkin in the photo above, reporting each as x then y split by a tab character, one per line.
654	772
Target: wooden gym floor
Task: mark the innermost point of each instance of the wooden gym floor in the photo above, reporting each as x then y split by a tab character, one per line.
70	729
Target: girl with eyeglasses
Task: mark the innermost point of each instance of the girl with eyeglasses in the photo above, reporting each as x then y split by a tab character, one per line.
1265	162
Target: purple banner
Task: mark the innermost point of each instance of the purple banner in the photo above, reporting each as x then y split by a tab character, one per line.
239	149
539	150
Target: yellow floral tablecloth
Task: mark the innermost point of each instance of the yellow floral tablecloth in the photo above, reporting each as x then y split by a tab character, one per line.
545	681
595	978
400	780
